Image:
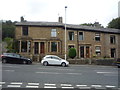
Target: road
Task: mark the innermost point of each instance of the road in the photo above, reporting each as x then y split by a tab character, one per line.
74	76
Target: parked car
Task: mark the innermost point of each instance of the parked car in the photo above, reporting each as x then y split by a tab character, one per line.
54	60
118	62
15	58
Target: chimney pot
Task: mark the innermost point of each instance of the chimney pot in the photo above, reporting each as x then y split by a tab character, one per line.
60	20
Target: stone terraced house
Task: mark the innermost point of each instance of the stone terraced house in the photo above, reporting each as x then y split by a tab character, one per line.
37	39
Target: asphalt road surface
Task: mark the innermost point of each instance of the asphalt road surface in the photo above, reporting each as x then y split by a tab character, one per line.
74	76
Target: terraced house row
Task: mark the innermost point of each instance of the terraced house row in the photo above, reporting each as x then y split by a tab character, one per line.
36	39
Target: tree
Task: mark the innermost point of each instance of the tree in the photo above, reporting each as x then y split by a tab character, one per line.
9	42
96	24
8	29
115	23
72	53
87	24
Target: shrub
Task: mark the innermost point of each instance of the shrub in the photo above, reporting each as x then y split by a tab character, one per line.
72	53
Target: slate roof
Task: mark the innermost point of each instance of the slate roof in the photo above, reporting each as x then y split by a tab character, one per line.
69	26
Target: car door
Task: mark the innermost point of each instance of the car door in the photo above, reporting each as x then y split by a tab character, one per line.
10	58
49	60
55	60
15	59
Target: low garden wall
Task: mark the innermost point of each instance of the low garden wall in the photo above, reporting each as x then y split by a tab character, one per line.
93	61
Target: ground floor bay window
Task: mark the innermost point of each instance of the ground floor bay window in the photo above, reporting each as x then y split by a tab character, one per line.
54	46
36	48
84	51
39	47
24	46
46	47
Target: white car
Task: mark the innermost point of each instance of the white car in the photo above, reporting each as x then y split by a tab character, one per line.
54	60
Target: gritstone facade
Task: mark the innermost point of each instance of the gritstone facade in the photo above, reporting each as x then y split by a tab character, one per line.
37	39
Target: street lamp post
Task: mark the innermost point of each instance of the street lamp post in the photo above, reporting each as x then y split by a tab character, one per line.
65	32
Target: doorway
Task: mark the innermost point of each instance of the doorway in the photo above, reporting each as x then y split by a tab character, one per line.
87	52
42	48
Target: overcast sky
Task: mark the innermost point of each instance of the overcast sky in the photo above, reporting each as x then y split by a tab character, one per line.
78	11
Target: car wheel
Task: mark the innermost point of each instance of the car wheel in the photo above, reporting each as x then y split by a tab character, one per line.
24	62
63	64
45	63
4	61
29	62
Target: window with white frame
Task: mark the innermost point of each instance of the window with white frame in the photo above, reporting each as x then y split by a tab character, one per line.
53	46
53	33
81	36
97	36
71	35
98	50
112	39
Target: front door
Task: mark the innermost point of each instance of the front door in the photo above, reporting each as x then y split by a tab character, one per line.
87	52
113	52
42	48
81	51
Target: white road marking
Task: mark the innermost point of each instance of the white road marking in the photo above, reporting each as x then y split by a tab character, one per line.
66	85
33	83
96	85
57	69
9	70
74	73
48	72
58	73
84	87
108	86
105	72
17	83
49	87
52	85
12	86
81	85
108	73
2	82
47	84
32	86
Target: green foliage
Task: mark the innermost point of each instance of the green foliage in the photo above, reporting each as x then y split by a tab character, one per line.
9	42
16	46
115	23
8	29
96	24
87	24
72	53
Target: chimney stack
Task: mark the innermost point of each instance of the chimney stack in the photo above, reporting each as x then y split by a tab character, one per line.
60	20
22	19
